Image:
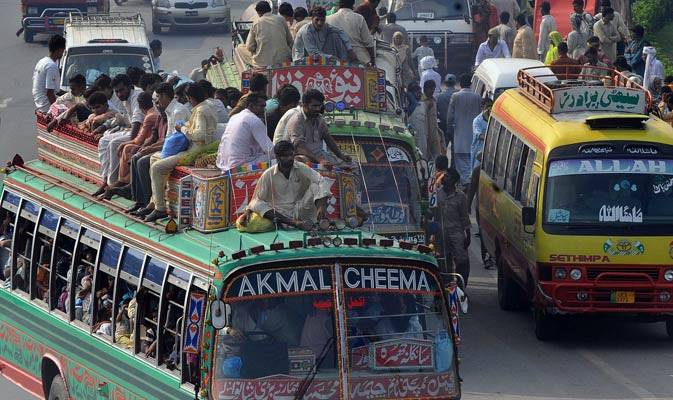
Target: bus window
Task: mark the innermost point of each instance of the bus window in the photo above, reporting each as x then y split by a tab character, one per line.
99	305
62	263
395	328
148	299
488	157
46	232
172	317
528	170
513	164
7	219
127	289
521	172
501	156
84	266
532	195
24	246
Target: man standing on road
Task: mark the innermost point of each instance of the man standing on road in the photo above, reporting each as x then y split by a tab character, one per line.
443	101
524	41
46	75
356	27
547	26
607	33
157	48
465	105
269	41
389	29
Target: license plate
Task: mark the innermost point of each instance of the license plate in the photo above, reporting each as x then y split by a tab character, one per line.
191	13
623	297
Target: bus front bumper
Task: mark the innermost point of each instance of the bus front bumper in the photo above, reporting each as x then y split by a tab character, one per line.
600	296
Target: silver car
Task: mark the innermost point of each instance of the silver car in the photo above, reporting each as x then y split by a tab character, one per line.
190	13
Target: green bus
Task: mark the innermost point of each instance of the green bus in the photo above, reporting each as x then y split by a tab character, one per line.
97	305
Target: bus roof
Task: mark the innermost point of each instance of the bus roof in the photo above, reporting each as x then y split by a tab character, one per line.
194	249
547	131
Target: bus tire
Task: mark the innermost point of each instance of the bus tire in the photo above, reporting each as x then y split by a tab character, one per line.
510	296
545	325
28	36
669	327
57	389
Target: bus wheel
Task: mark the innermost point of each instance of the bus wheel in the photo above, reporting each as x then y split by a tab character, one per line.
669	327
510	296
28	36
57	390
545	325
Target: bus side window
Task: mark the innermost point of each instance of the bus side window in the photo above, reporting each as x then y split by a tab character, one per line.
528	190
501	153
519	185
62	262
41	266
7	220
532	195
95	305
191	354
172	318
79	285
126	289
23	248
488	156
513	164
149	300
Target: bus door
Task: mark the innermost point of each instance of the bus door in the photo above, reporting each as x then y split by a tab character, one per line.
8	213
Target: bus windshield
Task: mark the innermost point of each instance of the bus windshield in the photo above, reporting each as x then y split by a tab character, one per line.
610	192
284	322
430	9
389	190
112	61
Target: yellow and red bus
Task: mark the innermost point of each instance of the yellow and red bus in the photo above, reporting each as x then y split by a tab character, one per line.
575	199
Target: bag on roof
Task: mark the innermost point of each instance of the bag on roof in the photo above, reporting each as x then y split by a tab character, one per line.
174	144
256	224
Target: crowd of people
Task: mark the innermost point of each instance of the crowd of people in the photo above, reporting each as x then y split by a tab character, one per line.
146	124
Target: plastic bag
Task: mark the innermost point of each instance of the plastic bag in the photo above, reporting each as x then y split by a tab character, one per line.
174	144
256	224
443	352
231	367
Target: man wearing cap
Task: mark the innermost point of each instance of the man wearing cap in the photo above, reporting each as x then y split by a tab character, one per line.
443	101
493	47
428	73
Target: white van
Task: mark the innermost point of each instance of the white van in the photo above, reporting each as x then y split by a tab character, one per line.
104	44
495	75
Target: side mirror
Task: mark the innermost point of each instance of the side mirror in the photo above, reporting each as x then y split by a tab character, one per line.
466	18
219	314
528	216
422	170
462	297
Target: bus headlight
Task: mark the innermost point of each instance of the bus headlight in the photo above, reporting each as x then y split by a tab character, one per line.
664	297
668	275
576	274
560	273
437	40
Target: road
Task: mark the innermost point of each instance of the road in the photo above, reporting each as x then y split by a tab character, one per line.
501	359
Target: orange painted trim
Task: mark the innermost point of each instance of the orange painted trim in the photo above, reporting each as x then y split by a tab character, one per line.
520	129
122	233
21	378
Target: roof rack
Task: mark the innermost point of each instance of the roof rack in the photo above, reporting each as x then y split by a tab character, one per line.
593	88
108	19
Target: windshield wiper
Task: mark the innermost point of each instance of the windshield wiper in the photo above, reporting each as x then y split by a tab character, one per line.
308	379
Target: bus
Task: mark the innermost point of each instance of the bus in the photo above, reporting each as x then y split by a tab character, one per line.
574	199
97	304
363	112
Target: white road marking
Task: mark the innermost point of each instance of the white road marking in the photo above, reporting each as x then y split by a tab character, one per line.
3	103
617	376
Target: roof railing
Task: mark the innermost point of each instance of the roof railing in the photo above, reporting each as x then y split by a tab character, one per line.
583	88
108	19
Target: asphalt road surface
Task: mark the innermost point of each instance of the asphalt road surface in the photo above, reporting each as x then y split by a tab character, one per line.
501	359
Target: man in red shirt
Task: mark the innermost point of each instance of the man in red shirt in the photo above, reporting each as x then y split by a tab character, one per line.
564	66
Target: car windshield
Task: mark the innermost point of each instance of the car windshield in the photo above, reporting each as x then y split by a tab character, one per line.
93	62
610	192
430	9
397	334
390	186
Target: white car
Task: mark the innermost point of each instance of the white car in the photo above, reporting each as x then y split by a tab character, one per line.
190	13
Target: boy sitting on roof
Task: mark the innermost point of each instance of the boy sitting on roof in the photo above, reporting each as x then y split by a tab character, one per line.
290	192
102	115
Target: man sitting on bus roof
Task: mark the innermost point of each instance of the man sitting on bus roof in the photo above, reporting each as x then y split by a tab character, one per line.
290	192
322	39
269	41
306	129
